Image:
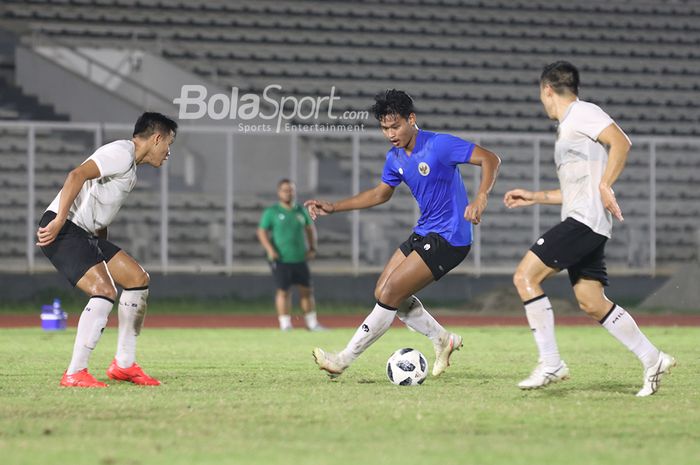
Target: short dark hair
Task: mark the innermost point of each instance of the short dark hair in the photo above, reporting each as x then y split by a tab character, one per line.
392	102
151	122
562	76
283	181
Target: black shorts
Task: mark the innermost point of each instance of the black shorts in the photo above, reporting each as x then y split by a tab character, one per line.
436	252
574	246
288	274
75	250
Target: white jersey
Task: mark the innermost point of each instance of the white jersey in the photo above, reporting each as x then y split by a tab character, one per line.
581	162
100	199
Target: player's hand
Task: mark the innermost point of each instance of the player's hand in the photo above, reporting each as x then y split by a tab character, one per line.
273	256
318	208
519	198
48	233
607	196
475	209
310	254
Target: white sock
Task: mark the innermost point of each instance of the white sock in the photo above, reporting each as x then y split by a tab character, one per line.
311	320
415	316
541	319
132	311
90	326
285	321
376	324
623	327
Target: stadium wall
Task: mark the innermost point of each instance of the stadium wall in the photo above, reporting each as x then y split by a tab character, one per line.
86	101
79	98
452	289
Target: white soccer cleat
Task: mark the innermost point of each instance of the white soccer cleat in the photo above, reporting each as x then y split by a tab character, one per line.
329	362
542	376
317	328
449	342
653	374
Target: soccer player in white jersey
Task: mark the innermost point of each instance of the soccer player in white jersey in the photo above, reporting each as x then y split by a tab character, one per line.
73	235
587	172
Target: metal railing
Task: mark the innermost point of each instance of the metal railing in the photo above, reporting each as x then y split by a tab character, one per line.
477	264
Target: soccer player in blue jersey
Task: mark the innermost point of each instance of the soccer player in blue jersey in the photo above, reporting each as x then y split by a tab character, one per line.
428	163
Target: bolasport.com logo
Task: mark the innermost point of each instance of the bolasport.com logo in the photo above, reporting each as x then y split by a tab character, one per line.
272	111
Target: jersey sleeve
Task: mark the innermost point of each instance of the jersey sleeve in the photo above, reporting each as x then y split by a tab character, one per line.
591	120
307	218
391	175
266	219
452	150
112	160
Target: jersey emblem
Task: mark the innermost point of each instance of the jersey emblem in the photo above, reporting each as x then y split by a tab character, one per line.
426	247
300	218
540	241
280	216
423	168
401	171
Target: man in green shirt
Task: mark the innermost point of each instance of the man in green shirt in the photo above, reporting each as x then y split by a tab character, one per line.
284	231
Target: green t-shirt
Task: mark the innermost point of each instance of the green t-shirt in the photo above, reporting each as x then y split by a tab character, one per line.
288	231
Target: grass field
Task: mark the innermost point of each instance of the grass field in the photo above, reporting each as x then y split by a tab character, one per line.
255	397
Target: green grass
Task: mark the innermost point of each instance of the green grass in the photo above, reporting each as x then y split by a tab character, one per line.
255	397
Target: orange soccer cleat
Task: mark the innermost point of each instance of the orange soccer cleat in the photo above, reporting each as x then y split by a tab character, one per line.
133	374
81	379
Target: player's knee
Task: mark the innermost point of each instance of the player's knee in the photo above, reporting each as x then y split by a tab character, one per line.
587	307
389	295
104	290
143	279
305	292
520	279
137	279
377	291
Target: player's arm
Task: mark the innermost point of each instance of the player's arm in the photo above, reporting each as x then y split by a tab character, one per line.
265	241
489	163
619	144
311	240
366	199
71	187
524	198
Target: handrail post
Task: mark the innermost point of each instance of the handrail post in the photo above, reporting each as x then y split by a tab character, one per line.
355	213
229	203
536	187
652	207
164	218
476	240
31	194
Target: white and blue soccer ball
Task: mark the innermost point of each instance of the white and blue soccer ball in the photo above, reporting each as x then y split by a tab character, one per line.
407	367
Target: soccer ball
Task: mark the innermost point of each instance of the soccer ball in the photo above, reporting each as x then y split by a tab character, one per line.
407	367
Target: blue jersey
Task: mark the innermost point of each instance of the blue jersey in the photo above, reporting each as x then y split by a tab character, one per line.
432	174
